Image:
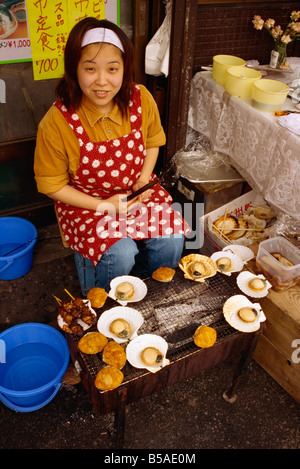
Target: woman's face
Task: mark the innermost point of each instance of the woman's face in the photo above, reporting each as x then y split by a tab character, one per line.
100	74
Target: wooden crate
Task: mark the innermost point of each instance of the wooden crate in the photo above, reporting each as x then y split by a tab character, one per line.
275	352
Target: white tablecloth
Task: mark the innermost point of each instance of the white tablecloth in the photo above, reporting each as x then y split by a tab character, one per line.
266	154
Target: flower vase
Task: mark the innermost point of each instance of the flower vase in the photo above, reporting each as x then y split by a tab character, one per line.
278	56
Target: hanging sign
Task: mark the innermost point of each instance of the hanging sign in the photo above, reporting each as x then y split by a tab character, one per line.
49	29
14	35
50	23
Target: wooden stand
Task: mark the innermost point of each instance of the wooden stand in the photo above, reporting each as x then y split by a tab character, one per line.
278	349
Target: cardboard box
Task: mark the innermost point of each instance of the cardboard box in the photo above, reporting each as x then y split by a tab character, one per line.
209	241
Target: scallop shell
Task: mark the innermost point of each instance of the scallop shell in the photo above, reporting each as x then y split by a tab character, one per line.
187	262
140	288
263	213
139	343
132	316
240	232
230	311
61	323
226	224
236	262
245	253
243	280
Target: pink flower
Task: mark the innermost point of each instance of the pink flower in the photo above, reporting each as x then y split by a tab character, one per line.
269	23
286	38
295	27
290	33
276	31
295	15
258	22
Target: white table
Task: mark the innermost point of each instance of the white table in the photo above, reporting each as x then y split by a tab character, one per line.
265	154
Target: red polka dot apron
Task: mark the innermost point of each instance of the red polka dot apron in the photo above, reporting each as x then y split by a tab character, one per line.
107	168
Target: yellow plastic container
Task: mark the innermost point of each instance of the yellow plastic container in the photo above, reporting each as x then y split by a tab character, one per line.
221	63
239	81
269	95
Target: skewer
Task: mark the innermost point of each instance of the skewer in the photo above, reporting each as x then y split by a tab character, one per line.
257	206
69	294
57	299
225	215
247	229
222	234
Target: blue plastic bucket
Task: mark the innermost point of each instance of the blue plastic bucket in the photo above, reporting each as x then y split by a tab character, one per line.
34	358
17	239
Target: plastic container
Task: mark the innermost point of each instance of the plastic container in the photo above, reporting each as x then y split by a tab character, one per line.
269	95
17	239
221	63
239	81
280	276
34	358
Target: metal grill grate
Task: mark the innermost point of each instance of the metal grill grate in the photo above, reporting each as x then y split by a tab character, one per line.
174	310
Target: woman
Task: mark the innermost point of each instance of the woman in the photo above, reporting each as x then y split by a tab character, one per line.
97	144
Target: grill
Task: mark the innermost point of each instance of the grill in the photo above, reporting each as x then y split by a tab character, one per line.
174	310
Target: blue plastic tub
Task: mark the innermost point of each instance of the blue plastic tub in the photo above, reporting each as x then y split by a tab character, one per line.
34	359
17	239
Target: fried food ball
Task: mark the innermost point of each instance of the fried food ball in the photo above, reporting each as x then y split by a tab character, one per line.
108	378
163	274
92	342
97	297
114	355
205	336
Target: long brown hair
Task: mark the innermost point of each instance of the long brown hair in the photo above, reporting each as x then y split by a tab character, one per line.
68	89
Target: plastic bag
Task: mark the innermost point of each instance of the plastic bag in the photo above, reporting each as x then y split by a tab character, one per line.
158	49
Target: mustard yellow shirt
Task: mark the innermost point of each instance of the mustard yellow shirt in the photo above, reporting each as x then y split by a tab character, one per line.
57	150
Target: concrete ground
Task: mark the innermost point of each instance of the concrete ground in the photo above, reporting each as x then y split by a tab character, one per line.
189	416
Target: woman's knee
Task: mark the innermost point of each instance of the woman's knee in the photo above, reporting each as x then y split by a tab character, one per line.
117	260
165	251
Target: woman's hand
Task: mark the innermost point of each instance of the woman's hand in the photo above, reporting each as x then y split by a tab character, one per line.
116	204
144	195
71	196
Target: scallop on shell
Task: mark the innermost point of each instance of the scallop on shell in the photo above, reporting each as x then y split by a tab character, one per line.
256	286
136	347
139	287
245	253
227	262
197	267
231	309
130	315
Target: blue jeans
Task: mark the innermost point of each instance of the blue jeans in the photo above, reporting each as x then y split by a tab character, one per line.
139	258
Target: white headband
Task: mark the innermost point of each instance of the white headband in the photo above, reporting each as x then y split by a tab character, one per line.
101	35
